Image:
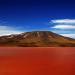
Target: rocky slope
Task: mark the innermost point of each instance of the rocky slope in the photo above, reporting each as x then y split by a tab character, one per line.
37	39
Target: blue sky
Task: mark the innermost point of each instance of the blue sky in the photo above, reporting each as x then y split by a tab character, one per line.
17	16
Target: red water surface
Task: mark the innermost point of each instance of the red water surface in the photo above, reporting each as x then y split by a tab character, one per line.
37	61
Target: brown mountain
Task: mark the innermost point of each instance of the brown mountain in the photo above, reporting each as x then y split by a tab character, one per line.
37	39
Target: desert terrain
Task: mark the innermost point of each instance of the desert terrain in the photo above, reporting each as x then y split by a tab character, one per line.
36	39
37	61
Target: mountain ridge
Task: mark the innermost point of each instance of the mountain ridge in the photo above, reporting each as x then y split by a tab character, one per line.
37	39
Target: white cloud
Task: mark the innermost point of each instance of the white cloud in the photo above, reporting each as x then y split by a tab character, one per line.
64	27
65	21
69	35
6	30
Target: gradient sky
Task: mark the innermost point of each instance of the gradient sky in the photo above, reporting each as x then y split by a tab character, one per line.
18	16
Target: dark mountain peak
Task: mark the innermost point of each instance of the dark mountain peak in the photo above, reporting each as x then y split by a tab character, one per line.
37	39
39	34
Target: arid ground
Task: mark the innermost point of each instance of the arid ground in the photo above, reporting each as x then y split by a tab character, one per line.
37	61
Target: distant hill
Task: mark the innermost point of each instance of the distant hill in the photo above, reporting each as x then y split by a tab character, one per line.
37	39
